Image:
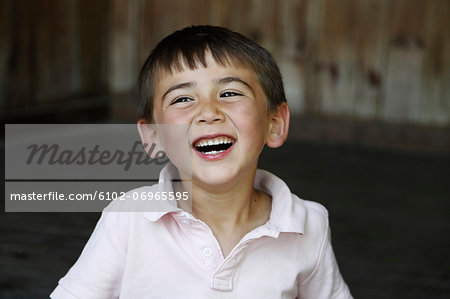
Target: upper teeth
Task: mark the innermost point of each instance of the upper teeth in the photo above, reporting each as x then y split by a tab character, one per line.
219	140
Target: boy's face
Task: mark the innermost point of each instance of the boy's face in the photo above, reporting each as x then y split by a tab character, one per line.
225	122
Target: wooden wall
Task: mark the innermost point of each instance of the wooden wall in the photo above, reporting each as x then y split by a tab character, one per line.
52	53
386	61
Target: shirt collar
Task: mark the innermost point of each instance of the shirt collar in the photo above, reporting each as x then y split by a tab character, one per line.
288	212
167	175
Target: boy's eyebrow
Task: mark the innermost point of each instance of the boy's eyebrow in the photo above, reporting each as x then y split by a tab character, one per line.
220	81
179	86
233	79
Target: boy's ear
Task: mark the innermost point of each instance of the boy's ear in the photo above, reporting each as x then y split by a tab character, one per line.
279	126
149	138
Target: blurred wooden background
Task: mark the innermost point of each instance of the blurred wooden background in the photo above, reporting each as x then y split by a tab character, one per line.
371	72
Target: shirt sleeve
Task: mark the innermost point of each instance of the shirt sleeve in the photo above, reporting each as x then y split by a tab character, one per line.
97	272
325	281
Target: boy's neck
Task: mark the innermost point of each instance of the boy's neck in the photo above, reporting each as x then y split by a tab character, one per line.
235	210
225	211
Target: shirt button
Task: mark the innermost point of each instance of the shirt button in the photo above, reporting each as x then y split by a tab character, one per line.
207	251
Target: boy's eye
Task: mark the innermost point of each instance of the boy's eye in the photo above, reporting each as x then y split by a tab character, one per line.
227	94
181	100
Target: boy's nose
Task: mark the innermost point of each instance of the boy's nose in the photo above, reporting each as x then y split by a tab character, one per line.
209	112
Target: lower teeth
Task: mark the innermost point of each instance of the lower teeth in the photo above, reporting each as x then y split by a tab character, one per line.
214	152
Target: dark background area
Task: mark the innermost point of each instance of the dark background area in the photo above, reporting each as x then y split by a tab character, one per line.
368	83
389	214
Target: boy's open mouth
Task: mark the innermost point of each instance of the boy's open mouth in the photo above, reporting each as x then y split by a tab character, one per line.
211	146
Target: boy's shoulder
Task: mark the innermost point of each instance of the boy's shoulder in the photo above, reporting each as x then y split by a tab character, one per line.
315	207
315	221
289	211
316	215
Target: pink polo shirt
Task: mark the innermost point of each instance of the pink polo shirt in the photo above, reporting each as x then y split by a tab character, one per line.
171	254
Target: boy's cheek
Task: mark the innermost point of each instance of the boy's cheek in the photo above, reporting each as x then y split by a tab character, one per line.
173	117
173	135
174	139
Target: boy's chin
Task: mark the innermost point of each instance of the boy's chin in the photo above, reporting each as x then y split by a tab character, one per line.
217	181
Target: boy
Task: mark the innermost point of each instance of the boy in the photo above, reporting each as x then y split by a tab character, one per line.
244	235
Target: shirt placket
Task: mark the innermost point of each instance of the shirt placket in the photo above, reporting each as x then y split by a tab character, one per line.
220	269
206	246
222	278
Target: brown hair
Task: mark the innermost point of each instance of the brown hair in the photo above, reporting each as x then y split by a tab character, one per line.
189	46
